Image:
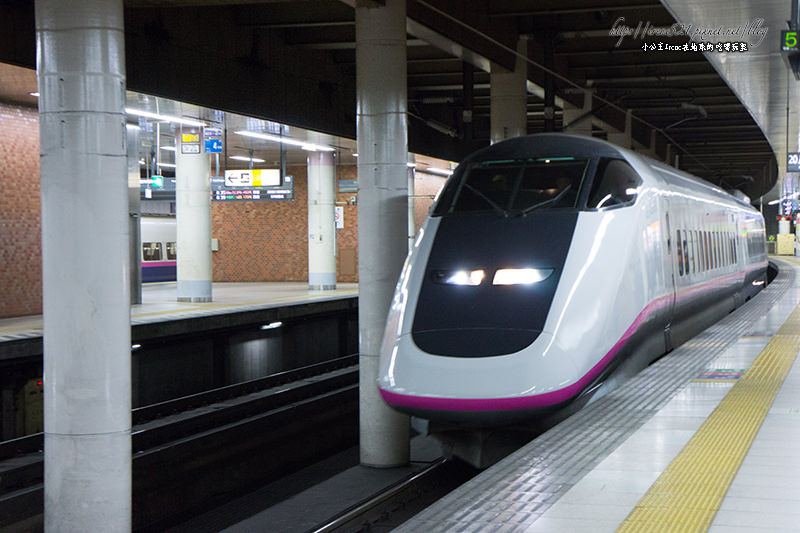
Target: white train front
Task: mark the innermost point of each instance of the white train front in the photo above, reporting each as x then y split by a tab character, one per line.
549	260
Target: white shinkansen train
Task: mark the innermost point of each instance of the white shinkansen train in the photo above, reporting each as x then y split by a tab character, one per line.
548	261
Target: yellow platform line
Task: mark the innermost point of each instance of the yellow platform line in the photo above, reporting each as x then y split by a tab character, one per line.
689	492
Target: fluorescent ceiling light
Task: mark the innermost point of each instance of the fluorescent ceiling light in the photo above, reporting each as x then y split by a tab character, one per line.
167	118
411	165
438	171
773	202
245	158
272	325
34	94
520	276
168	148
311	147
166	165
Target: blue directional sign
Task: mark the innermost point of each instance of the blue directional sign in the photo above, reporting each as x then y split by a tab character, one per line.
213	140
213	146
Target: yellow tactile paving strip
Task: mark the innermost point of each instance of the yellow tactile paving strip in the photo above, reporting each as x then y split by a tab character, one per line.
689	492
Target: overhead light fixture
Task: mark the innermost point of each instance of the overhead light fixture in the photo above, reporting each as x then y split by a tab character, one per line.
773	202
438	171
168	148
311	147
272	325
411	165
245	158
132	126
34	94
166	118
166	165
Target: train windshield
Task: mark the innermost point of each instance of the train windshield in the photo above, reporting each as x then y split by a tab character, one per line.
515	187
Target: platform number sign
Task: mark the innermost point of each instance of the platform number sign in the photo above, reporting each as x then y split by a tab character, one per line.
793	162
789	41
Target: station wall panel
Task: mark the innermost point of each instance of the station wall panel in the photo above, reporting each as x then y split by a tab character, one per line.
20	212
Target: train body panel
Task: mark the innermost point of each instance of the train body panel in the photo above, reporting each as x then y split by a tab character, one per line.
158	249
642	270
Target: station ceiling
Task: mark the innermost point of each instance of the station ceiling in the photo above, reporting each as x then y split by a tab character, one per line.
293	61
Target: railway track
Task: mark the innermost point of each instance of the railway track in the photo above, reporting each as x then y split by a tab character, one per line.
391	507
209	445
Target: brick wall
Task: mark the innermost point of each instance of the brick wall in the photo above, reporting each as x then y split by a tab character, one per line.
267	241
259	241
20	212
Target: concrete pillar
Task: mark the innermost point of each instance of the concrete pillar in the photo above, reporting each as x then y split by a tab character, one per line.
321	221
193	218
623	138
134	214
548	50
412	225
670	156
508	96
85	263
578	120
382	132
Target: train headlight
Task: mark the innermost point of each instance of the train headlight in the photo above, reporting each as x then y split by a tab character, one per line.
459	277
520	276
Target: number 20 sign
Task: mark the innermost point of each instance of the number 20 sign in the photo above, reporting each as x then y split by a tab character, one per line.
793	162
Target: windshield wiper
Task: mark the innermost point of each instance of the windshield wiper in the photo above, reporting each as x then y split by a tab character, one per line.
491	202
552	200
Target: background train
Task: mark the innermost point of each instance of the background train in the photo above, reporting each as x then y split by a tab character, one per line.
159	249
549	261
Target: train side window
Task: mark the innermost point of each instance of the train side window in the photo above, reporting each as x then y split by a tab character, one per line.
714	256
680	253
685	255
715	248
616	184
707	247
172	251
693	248
727	240
696	244
151	251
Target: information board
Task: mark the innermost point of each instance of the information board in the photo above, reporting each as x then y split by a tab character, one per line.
245	188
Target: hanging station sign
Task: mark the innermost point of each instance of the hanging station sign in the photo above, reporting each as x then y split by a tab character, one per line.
252	185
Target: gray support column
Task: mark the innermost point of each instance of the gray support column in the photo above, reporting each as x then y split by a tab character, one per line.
193	217
549	81
321	221
382	210
412	225
134	214
468	82
623	138
578	120
508	97
86	303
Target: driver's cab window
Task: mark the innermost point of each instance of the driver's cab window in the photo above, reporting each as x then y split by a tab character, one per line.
615	184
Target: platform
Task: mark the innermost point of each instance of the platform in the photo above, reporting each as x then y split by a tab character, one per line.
695	442
159	303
